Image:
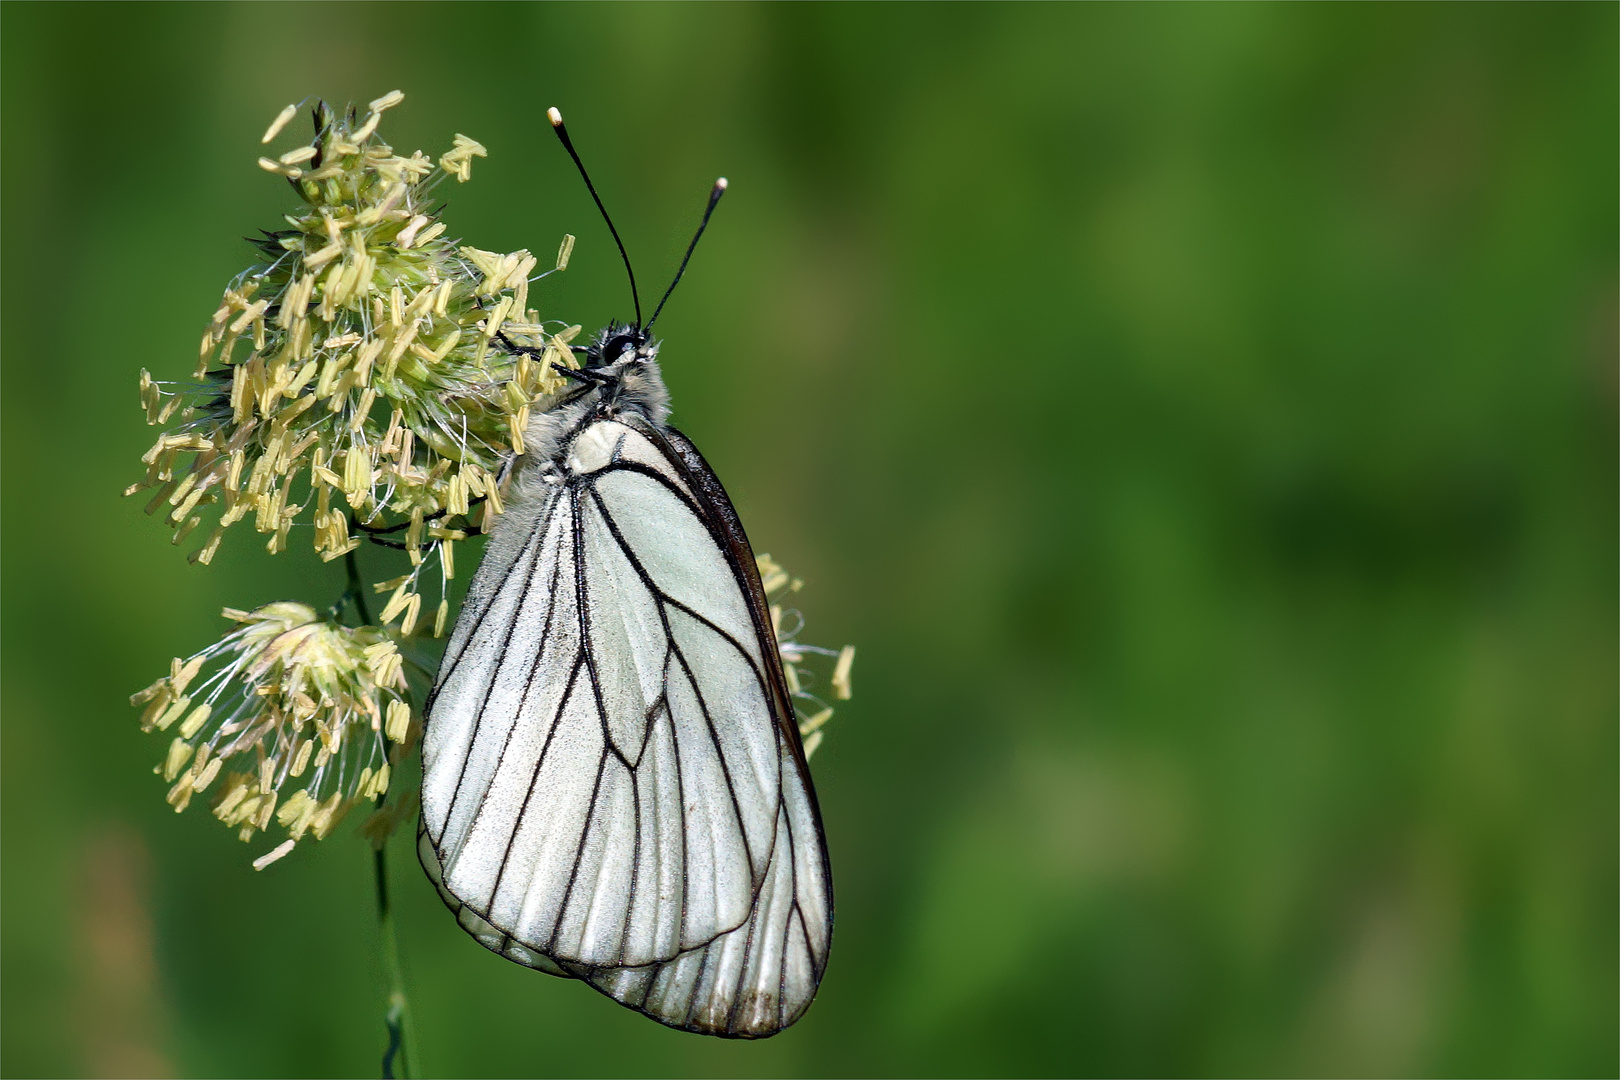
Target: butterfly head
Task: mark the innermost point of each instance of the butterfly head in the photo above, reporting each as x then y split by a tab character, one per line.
618	345
621	368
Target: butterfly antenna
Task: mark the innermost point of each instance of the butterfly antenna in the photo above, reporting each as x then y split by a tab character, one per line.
718	190
562	133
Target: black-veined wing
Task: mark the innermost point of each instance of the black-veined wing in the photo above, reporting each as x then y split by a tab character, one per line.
613	784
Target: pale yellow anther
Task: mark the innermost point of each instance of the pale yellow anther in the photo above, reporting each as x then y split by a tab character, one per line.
283	118
205	554
356	475
396	603
362	412
180	794
458	161
235	792
158	694
281	850
179	753
369	128
815	722
399	721
365	358
183	489
331	812
322	257
207	775
193	723
387	666
185	508
492	323
407	235
294	806
455	495
294	452
840	678
181	674
173	713
161	496
413	608
266	809
515	426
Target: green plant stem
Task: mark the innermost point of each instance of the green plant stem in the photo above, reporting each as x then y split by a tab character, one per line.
399	1059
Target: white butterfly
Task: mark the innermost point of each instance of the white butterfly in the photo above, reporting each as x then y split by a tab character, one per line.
614	787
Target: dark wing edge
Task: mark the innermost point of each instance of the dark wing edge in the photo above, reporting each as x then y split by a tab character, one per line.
720	516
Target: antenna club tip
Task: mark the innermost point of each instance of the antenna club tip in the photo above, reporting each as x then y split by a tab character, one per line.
721	184
554	116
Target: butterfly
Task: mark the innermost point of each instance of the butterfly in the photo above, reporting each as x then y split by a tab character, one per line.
614	787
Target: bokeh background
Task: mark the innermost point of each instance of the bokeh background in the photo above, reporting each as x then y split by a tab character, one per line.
1203	418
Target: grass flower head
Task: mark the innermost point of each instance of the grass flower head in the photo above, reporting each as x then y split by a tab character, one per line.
803	663
362	374
286	700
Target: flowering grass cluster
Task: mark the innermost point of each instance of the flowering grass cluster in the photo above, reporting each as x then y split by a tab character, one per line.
362	375
366	379
291	699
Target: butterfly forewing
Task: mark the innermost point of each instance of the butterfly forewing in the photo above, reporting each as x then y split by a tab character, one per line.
613	783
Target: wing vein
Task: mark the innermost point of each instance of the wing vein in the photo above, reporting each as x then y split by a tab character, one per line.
725	768
523	811
582	589
579	856
635	867
653	474
478	721
665	598
680	791
725	771
542	521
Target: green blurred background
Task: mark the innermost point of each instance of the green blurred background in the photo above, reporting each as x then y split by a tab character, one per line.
1203	418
